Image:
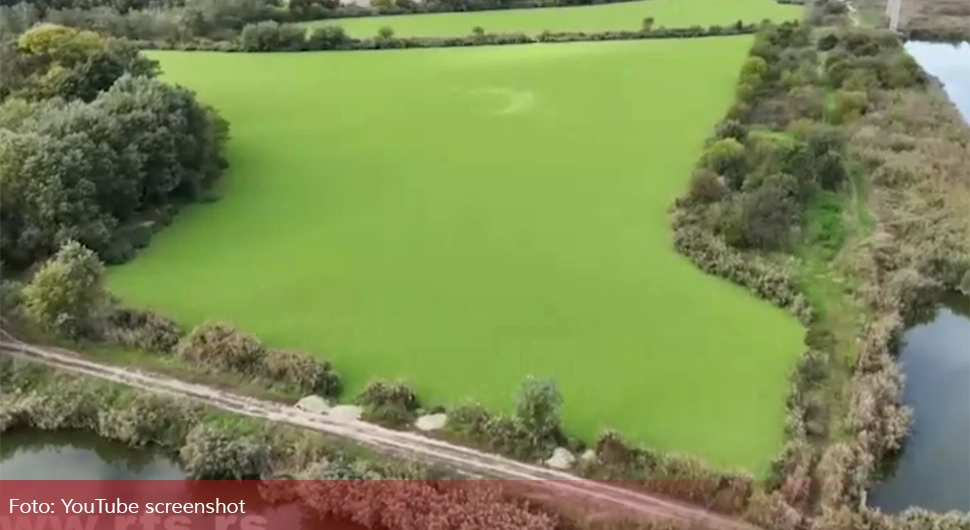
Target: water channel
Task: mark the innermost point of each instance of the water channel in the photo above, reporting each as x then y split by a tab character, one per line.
71	455
934	470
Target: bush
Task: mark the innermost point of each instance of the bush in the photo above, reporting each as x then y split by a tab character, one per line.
149	419
385	32
726	158
389	404
309	375
219	453
849	106
706	187
770	212
538	408
731	128
66	295
221	347
469	419
142	329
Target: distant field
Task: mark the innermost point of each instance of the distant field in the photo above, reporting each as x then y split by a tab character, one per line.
628	15
464	217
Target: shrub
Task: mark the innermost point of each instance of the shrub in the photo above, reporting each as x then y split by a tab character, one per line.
149	419
538	408
142	329
222	347
309	375
706	187
66	295
327	37
849	105
389	404
731	128
770	212
219	453
385	32
469	419
726	158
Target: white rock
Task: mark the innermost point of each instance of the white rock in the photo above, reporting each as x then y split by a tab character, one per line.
346	412
313	404
561	459
431	422
589	455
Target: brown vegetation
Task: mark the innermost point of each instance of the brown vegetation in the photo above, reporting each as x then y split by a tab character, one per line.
936	20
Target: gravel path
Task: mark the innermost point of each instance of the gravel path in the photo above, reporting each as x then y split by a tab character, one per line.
469	462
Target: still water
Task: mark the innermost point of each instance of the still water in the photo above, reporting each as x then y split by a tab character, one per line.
70	455
934	469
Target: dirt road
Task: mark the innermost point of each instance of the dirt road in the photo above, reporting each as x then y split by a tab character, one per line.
468	461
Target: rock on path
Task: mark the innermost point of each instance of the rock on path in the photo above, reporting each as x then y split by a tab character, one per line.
561	459
431	422
313	404
346	412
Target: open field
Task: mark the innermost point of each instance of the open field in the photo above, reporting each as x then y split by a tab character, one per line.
464	217
626	16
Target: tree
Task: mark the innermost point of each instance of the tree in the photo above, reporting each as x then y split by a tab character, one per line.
706	187
478	31
537	409
74	64
731	129
770	212
386	32
726	158
754	70
327	37
647	25
67	293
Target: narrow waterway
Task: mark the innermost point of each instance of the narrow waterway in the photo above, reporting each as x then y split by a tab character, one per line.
71	455
934	470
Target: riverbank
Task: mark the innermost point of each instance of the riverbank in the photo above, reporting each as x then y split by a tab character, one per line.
931	471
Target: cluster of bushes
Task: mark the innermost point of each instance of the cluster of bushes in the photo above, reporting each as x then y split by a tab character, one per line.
679	477
273	36
223	349
333	482
34	396
92	144
530	434
66	297
769	281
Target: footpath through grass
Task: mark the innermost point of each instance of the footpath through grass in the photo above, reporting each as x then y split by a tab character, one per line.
461	218
622	16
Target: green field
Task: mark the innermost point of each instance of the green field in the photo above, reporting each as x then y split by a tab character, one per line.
627	15
463	217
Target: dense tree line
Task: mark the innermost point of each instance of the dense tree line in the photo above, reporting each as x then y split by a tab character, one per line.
93	147
272	36
184	21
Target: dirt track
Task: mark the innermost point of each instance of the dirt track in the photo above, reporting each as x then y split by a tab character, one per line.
468	461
